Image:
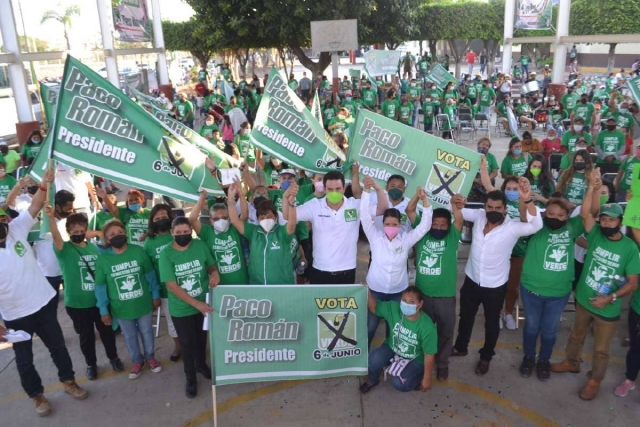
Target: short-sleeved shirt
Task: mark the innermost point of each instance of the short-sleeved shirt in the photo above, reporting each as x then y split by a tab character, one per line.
31	150
585	111
569	101
136	223
492	162
78	265
408	339
270	260
569	140
486	96
369	97
610	143
6	185
624	120
574	191
329	112
428	110
513	166
127	286
436	271
389	109
11	160
153	247
184	108
406	112
206	131
627	176
227	251
188	269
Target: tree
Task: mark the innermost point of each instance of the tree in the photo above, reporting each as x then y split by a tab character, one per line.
35	44
190	36
594	17
65	19
391	22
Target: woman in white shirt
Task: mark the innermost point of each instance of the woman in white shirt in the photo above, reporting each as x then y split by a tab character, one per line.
387	277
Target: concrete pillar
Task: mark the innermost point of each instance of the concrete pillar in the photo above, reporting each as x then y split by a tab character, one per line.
105	15
16	72
509	20
158	42
562	29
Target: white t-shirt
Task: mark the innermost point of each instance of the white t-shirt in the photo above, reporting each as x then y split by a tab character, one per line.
22	203
75	181
46	257
402	207
335	233
23	288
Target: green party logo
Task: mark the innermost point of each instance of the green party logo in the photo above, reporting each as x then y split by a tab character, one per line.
336	336
443	182
20	248
129	287
350	215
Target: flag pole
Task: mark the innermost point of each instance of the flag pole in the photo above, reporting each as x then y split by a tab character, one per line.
213	363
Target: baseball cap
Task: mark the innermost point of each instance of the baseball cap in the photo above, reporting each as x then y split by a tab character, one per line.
289	171
578	119
611	209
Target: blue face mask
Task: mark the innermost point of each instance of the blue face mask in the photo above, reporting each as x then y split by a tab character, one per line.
517	152
284	185
439	234
408	309
482	150
105	209
135	207
512	195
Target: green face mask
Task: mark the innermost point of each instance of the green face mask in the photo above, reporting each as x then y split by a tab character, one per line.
604	200
535	172
334	197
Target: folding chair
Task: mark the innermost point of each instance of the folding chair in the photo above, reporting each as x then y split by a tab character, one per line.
443	124
481	123
464	110
466	125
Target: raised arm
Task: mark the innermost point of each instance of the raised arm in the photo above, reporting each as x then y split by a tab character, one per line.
37	202
356	188
233	212
457	204
194	216
58	241
289	199
484	175
15	191
412	207
113	209
588	218
366	219
418	233
383	202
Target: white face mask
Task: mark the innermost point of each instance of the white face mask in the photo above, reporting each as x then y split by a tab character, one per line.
221	225
427	100
208	122
267	224
247	131
578	128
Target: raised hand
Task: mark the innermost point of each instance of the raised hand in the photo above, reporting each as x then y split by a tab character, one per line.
48	211
524	189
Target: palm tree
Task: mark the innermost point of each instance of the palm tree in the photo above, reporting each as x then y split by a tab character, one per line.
64	19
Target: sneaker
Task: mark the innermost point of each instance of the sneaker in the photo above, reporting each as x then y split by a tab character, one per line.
623	389
526	368
543	370
117	365
136	370
42	406
510	322
501	321
92	373
191	389
77	392
154	365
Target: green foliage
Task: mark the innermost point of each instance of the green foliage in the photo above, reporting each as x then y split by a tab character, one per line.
462	20
190	36
391	22
591	17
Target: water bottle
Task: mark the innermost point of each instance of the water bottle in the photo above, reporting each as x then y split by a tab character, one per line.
604	289
301	267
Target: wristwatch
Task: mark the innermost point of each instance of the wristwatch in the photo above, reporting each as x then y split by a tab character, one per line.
614	298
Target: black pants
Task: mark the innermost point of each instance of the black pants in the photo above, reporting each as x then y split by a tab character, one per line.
55	282
578	266
307	248
193	341
43	322
319	277
492	299
633	355
84	320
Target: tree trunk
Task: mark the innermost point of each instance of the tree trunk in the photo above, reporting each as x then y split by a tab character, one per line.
491	56
611	58
66	37
457	55
283	57
201	57
433	48
315	67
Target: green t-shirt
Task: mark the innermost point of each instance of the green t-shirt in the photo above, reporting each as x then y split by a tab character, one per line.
369	97
304	191
610	143
605	260
227	251
188	269
153	247
435	95
569	140
625	120
351	106
127	286
513	211
450	94
136	223
524	60
206	131
293	84
502	109
423	66
270	260
585	111
548	268
11	160
390	109
435	272
523	109
78	267
271	174
328	113
450	111
341	123
512	166
492	162
226	73
6	185
414	93
486	95
627	176
576	188
428	111
557	117
185	110
408	339
208	101
536	188
406	112
31	151
569	101
243	142
472	91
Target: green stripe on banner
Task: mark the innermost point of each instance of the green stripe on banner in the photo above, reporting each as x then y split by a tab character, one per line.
281	332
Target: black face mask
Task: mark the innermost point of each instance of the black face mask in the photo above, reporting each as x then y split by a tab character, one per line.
610	232
183	239
63	214
611	127
439	234
494	217
77	238
554	223
4	230
580	166
118	241
32	189
583	100
162	225
4	150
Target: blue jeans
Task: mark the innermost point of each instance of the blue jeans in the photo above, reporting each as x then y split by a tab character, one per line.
130	329
372	320
525	69
381	357
542	318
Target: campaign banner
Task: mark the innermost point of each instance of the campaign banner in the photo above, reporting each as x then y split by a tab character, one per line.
533	14
381	62
131	20
287	332
634	88
49	94
98	129
440	76
631	216
383	147
147	99
285	128
354	72
316	110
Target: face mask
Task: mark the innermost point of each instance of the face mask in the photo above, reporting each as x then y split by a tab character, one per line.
63	214
603	200
439	234
135	207
162	225
32	189
4	230
391	232
611	128
624	110
553	98
258	198
517	152
403	100
334	197
483	150
349	98
118	241
408	309
208	123
577	128
427	100
583	100
554	223
551	137
267	224
535	172
247	131
183	240
395	194
512	195
580	166
494	217
319	186
284	185
35	140
610	232
221	225
4	150
77	238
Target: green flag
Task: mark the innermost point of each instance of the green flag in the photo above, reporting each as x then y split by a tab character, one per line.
280	332
49	100
316	110
286	129
440	76
380	62
143	98
384	147
634	88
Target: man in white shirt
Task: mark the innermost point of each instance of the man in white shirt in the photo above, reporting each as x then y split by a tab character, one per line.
395	189
27	303
80	184
336	224
487	270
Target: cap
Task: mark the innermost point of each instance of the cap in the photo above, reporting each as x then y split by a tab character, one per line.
611	209
532	72
602	86
546	65
289	171
3	213
3	143
578	119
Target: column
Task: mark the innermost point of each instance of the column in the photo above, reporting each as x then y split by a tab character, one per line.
105	15
158	42
509	18
557	86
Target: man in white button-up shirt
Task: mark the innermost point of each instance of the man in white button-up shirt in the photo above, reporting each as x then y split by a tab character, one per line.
487	270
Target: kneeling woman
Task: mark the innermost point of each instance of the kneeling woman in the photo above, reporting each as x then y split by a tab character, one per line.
188	269
410	349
